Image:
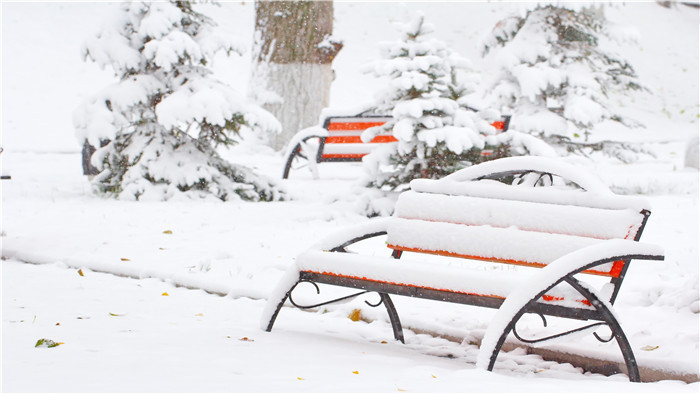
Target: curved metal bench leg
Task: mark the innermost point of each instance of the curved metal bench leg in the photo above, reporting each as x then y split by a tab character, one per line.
393	317
273	316
303	150
606	315
609	318
290	159
504	335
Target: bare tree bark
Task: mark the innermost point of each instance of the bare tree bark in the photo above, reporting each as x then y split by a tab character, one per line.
292	73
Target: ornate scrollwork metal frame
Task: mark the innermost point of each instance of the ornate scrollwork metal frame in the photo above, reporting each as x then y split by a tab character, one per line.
562	334
318	291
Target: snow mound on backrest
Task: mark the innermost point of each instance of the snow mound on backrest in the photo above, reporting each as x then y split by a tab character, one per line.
525	215
535	164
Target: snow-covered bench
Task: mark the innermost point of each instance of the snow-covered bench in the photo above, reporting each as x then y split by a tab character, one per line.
338	140
570	225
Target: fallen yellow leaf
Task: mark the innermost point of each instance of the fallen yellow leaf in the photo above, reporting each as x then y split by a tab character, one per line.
649	348
165	294
356	372
80	272
47	343
301	379
124	259
355	315
167	232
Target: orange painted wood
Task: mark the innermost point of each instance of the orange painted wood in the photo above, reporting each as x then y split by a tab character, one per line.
545	297
614	272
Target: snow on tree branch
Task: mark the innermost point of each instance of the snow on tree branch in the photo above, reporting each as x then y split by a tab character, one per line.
167	113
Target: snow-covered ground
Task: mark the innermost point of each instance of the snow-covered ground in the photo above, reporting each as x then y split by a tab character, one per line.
127	323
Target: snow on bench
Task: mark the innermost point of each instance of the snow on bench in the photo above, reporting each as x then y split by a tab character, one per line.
569	224
339	140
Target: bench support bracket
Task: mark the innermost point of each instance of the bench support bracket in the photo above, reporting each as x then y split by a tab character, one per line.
605	314
383	299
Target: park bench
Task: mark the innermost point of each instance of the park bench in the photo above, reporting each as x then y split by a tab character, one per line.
338	140
524	212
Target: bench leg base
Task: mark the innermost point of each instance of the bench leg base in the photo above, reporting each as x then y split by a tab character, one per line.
605	314
393	317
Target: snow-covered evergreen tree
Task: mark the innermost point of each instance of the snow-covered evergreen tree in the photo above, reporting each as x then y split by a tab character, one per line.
437	132
166	115
560	78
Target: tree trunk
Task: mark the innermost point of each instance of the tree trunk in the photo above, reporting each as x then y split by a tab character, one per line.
293	54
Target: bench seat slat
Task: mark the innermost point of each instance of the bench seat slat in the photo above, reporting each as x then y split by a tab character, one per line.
429	276
488	243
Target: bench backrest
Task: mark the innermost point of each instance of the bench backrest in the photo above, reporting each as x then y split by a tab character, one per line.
343	142
488	220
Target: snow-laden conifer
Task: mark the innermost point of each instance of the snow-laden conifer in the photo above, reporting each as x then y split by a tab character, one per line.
437	132
560	77
159	125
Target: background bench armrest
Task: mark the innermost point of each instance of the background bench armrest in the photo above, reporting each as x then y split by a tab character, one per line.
302	135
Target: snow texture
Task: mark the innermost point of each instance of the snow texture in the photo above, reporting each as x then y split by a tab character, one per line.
167	112
193	341
424	93
278	295
485	242
315	131
593	192
537	164
561	74
510	210
157	39
340	237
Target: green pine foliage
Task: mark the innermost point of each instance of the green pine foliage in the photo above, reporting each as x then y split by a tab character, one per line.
167	114
560	77
437	133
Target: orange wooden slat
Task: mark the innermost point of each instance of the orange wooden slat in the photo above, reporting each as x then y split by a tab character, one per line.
545	297
342	155
355	139
352	125
614	272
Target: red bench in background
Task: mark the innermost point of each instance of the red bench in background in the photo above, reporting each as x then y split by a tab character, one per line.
338	140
